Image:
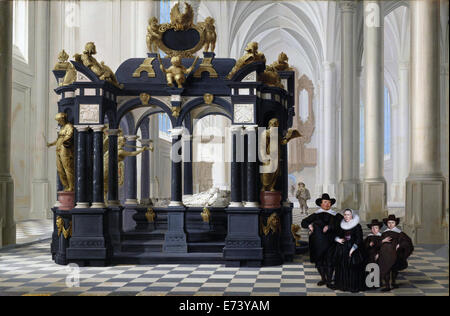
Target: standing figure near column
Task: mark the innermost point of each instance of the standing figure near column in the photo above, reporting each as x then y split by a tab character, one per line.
64	152
303	196
122	153
373	242
394	252
347	254
322	227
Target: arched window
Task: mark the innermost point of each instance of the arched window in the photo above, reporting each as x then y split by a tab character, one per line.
164	126
164	16
20	30
387	124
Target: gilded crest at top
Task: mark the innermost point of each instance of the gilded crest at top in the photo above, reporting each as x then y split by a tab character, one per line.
182	21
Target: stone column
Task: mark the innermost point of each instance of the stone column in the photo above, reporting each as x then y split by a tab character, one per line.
7	224
113	172
40	183
425	185
329	130
97	172
401	162
252	166
131	170
374	184
176	159
82	176
145	173
154	157
348	185
187	165
236	192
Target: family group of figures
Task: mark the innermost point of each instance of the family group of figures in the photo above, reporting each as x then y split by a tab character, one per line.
341	254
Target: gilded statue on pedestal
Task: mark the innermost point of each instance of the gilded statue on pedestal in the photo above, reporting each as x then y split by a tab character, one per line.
251	55
102	71
177	71
210	35
269	179
271	78
64	152
153	35
282	63
62	63
121	154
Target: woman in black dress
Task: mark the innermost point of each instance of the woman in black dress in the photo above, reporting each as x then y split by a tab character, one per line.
347	254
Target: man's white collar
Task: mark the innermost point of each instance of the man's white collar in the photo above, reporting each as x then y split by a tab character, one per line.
377	234
395	230
320	210
352	223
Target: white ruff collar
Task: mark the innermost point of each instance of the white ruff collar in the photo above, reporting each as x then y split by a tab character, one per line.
349	225
395	230
378	234
331	212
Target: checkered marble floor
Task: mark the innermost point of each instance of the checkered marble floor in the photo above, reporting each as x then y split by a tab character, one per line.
32	230
29	270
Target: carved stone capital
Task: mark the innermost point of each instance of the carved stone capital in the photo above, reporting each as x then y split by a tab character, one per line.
113	132
82	128
131	138
97	128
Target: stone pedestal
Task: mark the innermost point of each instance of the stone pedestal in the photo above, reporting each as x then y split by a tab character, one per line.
374	200
175	237
287	243
66	200
90	244
425	217
243	244
60	241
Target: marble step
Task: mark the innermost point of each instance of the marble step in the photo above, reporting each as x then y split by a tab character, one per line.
143	236
164	257
142	245
206	247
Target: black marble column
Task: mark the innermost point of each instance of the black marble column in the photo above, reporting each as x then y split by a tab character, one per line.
284	174
97	174
244	168
145	173
113	186
236	191
81	168
187	165
131	173
252	166
176	183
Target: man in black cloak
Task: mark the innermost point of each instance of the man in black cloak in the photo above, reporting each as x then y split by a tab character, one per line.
322	226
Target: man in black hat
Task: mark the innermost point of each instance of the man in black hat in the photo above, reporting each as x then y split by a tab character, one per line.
322	224
394	252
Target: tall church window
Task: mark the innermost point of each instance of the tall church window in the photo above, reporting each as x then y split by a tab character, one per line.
20	30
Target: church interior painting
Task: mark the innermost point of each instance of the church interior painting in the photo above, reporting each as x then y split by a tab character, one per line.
190	136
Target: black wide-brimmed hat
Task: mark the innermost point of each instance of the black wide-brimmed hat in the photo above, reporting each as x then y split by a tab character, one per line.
391	218
375	222
325	196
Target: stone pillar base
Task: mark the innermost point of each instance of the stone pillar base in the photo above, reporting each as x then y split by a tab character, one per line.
425	215
373	203
398	190
7	224
39	199
349	194
131	202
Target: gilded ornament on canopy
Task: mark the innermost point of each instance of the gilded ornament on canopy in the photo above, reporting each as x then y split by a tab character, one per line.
181	24
251	55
